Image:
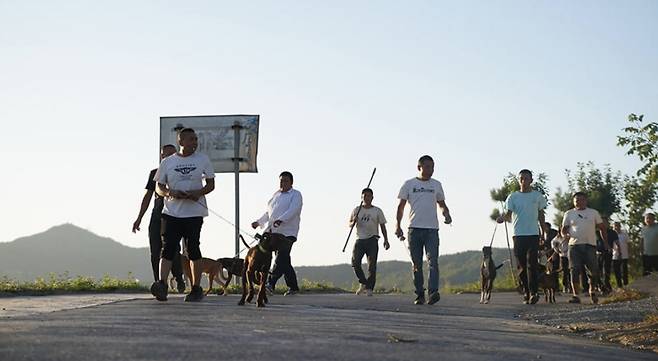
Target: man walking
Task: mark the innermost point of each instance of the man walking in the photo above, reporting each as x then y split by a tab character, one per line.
579	226
649	244
367	218
155	238
423	194
604	257
282	216
180	181
526	210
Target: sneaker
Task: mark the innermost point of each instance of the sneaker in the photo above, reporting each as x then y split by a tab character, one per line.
574	299
159	290
534	298
369	292
434	297
269	290
291	292
195	295
180	286
594	298
420	300
361	290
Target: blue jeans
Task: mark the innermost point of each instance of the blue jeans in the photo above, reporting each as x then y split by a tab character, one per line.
428	239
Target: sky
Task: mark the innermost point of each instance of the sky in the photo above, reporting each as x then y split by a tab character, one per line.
485	88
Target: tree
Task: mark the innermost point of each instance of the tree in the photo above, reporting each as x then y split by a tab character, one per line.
641	190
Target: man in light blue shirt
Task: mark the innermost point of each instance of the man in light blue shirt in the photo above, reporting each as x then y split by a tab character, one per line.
526	210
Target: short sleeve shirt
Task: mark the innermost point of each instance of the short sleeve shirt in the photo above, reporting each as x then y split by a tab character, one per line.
650	237
582	225
422	197
158	202
367	225
525	207
185	174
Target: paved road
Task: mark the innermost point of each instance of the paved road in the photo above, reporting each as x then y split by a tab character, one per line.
302	327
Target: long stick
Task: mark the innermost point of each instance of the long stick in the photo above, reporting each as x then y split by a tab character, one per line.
511	260
358	210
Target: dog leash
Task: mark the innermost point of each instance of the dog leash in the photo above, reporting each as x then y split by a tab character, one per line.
493	235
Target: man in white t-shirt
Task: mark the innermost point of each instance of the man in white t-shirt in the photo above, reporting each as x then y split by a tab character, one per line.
368	219
423	194
180	179
525	208
649	244
579	225
620	256
561	246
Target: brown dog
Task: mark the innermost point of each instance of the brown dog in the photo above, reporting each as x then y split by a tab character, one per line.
548	279
233	267
257	266
208	266
487	275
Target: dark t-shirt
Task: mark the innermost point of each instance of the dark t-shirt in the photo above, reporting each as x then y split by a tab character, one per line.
158	202
612	237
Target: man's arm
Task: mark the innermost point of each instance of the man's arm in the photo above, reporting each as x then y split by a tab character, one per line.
196	194
142	209
398	218
603	231
445	212
542	225
385	234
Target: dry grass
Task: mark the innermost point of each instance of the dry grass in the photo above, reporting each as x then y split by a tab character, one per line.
624	295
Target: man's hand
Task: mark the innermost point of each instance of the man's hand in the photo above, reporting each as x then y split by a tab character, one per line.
500	219
194	195
254	225
447	219
399	233
386	244
136	224
277	223
177	194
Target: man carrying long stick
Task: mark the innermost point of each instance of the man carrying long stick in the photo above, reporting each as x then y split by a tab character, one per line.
367	218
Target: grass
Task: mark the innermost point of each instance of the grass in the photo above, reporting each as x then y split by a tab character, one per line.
624	295
63	283
501	284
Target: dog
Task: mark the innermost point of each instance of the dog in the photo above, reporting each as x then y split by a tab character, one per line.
487	275
233	267
209	266
257	264
548	278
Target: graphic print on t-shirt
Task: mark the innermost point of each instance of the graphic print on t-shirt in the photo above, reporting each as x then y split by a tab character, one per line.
185	169
422	190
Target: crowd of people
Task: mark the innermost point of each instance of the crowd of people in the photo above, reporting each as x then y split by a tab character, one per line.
585	248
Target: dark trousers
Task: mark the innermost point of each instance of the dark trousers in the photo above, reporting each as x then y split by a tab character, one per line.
650	264
621	271
583	263
283	267
605	269
525	250
370	248
566	274
174	229
155	242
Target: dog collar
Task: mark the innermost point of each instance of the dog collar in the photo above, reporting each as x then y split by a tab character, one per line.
261	248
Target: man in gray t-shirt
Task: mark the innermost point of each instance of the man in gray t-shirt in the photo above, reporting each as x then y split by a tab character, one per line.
650	244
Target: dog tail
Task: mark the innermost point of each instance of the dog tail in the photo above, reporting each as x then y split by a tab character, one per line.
502	264
243	241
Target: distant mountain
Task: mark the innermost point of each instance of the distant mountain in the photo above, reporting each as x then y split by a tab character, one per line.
68	248
76	251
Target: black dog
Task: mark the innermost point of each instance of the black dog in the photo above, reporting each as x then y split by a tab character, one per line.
233	267
487	275
548	276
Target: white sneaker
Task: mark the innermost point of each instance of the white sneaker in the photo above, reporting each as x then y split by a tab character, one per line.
361	290
369	292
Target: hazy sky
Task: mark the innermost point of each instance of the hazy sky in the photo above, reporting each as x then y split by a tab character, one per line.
341	87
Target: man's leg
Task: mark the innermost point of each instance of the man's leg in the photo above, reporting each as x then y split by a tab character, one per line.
432	253
521	253
289	273
192	239
576	268
616	266
592	267
372	250
624	271
277	270
155	243
646	267
172	232
357	256
533	263
566	274
416	243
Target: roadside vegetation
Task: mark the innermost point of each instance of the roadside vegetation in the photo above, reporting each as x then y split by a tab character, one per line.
63	283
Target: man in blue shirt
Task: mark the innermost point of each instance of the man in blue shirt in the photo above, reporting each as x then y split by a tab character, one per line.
526	210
